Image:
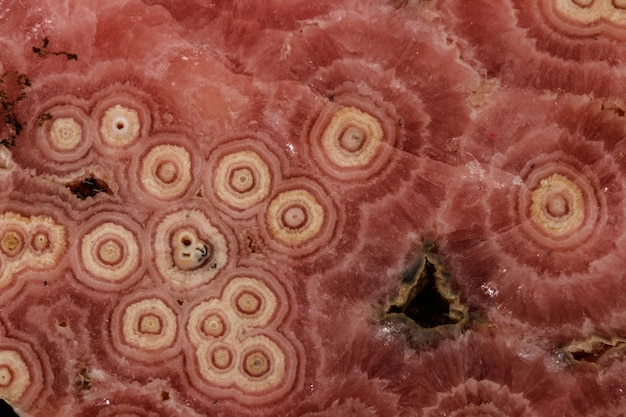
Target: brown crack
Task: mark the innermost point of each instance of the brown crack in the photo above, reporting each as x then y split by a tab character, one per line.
425	298
43	51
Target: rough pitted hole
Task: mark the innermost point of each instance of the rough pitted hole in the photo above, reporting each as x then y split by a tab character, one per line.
427	307
83	380
595	350
63	323
165	395
425	297
88	187
6	410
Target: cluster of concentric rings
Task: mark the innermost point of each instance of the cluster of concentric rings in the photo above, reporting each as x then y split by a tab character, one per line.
233	346
234	341
28	242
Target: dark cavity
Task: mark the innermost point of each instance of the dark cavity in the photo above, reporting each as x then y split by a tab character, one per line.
425	297
88	187
6	410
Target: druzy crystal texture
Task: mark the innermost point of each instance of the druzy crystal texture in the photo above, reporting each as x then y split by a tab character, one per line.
313	208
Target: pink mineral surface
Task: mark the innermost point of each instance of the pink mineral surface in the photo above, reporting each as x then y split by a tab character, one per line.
313	208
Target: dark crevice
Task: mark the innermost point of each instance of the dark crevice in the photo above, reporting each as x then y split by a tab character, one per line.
428	307
6	410
425	297
88	187
43	51
615	108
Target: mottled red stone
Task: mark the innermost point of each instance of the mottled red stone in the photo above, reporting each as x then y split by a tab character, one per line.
480	104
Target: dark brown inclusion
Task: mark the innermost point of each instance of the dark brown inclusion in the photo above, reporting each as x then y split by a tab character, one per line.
425	297
88	187
12	90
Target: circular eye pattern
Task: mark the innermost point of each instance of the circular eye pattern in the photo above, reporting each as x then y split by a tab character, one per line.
352	138
120	126
166	171
65	133
295	216
350	143
256	366
238	350
554	204
242	175
300	219
12	241
149	324
242	179
40	241
556	210
208	321
190	251
144	328
14	375
262	364
216	362
557	205
252	301
213	326
110	254
28	243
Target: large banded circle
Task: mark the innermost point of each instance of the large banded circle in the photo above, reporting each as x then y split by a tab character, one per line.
352	138
242	179
166	171
295	216
14	375
110	252
149	324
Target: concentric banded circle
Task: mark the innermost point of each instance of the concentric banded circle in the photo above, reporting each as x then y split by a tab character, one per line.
242	179
351	139
166	171
120	126
300	219
65	132
149	324
14	375
558	205
110	252
242	175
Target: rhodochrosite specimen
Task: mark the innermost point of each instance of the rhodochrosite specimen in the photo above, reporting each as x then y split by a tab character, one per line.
313	208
